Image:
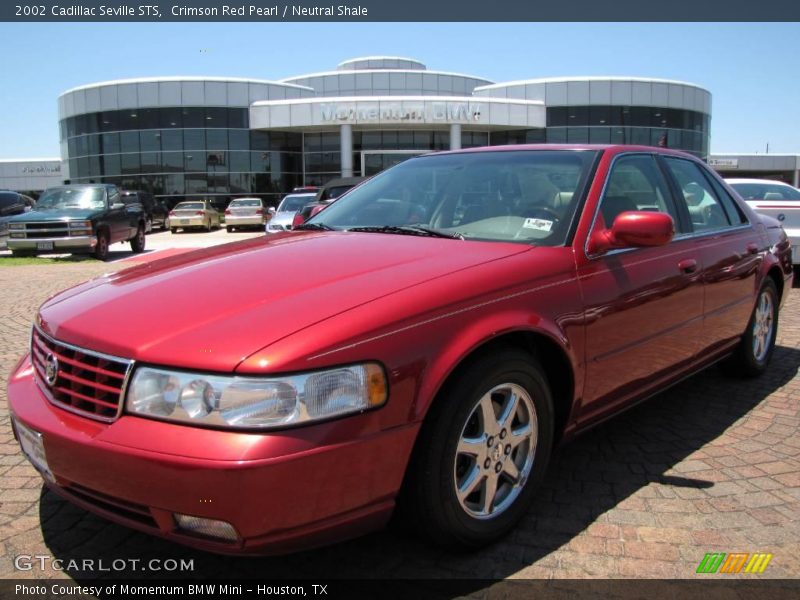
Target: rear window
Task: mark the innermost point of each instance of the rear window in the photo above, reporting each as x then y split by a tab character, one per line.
190	206
243	203
766	191
295	203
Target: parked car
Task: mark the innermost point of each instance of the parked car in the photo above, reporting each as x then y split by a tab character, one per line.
476	308
11	204
327	194
336	187
775	199
245	212
154	209
291	203
78	219
193	214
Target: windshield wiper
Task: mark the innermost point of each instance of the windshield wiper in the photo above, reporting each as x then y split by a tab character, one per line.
408	230
314	227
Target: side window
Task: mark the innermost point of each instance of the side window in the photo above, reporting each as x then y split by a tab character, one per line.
705	208
735	214
636	183
113	196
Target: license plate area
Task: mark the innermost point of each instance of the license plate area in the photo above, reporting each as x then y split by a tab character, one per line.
33	448
44	245
183	221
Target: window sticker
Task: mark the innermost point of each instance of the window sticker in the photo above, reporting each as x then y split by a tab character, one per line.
538	224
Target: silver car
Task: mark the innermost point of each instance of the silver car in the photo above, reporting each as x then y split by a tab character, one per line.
777	200
244	212
282	220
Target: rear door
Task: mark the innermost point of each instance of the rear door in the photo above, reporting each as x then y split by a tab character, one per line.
644	306
730	248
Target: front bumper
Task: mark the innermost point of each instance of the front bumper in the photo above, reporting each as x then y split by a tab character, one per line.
281	491
77	242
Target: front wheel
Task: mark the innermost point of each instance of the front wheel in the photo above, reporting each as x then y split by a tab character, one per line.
482	451
758	342
101	248
138	242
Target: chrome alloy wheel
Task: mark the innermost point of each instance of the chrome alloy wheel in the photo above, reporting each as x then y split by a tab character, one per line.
763	326
495	451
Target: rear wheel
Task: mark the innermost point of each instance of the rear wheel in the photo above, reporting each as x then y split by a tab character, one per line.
138	242
229	229
482	451
208	225
101	249
758	342
173	230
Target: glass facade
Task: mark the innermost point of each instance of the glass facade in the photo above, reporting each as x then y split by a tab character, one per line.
183	151
642	125
210	151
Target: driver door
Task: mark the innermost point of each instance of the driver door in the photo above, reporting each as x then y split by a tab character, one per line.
644	306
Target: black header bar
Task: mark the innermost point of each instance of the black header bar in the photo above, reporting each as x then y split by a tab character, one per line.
272	11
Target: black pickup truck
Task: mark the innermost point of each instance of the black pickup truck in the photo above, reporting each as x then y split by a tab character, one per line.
73	219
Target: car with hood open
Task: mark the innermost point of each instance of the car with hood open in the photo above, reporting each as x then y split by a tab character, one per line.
469	312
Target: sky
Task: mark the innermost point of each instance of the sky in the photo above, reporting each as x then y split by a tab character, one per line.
750	68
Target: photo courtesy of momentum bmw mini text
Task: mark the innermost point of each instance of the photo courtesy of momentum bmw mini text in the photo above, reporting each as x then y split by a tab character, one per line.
314	300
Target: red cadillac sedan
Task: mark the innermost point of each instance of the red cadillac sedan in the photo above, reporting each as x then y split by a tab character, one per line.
435	332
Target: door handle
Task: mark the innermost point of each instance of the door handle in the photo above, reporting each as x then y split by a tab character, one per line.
752	248
688	265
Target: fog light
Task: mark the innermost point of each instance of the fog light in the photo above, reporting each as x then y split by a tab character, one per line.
206	527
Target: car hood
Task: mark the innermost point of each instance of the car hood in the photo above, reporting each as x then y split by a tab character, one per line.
212	308
61	214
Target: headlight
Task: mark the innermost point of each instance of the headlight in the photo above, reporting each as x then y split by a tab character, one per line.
16	225
260	402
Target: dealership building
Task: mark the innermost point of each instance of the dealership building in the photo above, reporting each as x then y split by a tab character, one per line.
184	137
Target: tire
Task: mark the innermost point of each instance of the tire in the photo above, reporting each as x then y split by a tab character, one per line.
208	226
229	229
22	253
754	352
173	230
101	249
138	242
504	459
148	226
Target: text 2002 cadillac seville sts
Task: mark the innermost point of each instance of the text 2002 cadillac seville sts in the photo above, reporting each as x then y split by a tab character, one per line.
436	330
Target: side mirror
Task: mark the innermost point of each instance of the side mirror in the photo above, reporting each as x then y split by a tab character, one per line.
634	229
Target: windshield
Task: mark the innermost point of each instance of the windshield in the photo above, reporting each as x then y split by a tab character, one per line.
242	203
293	203
766	191
190	206
527	196
60	198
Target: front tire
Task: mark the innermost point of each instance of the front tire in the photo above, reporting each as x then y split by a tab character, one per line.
138	242
754	352
173	230
482	451
101	249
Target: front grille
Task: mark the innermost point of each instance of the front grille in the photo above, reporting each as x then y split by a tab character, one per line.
81	381
47	229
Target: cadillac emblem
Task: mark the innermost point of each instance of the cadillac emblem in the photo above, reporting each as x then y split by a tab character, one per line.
50	369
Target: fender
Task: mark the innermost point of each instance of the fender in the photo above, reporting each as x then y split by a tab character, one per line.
488	328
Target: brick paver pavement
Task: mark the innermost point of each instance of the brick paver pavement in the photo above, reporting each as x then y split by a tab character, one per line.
710	465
